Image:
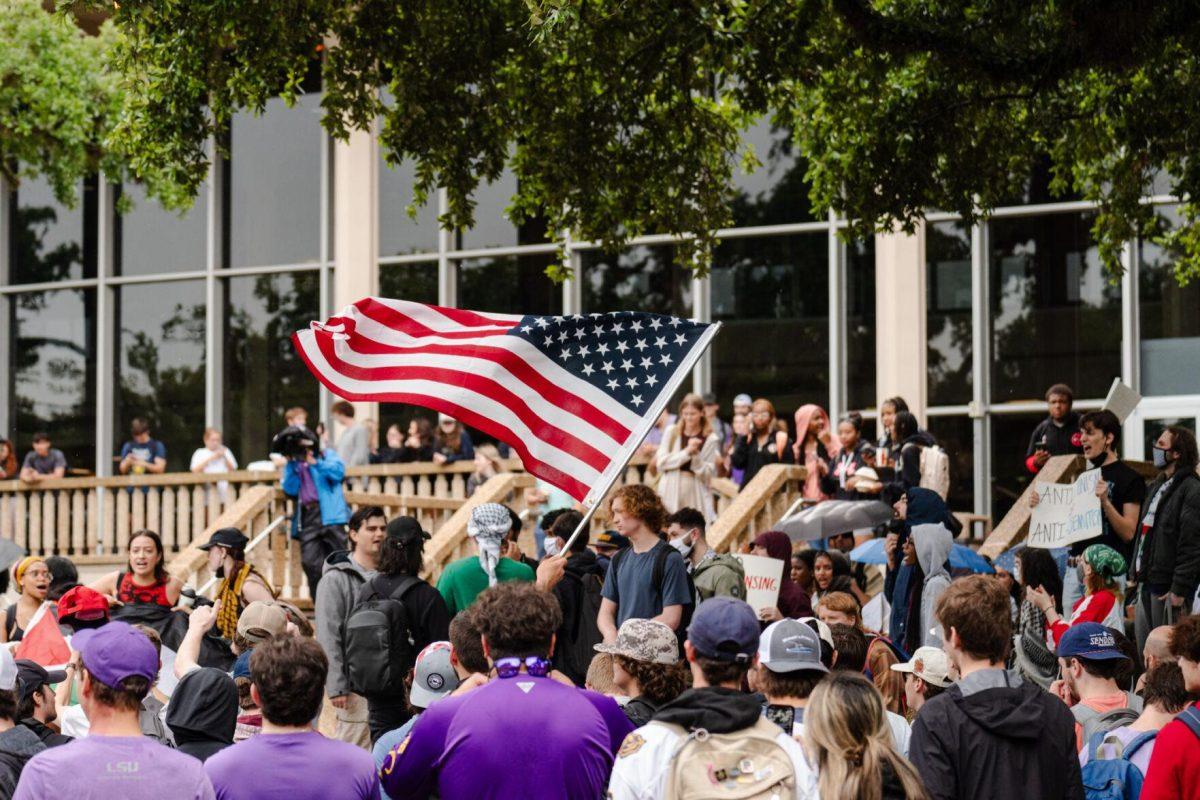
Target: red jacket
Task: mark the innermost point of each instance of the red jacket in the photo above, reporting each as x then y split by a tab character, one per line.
1174	772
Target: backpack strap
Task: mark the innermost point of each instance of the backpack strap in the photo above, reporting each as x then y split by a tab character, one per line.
1190	717
661	551
10	620
1136	743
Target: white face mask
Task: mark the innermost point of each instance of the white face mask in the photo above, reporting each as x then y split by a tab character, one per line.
551	546
682	545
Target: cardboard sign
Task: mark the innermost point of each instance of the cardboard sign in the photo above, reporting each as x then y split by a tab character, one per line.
763	577
1066	512
1121	400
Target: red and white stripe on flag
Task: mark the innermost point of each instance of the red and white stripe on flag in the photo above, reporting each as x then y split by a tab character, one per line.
572	395
43	642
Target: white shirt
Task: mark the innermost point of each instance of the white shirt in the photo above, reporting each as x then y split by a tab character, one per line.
641	772
901	731
216	465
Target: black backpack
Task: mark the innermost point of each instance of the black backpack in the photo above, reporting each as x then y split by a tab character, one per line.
661	551
379	648
574	655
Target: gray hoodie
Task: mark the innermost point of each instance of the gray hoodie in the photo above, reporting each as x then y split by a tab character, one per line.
341	580
933	544
17	746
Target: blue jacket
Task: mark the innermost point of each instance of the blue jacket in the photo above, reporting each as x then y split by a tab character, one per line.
327	474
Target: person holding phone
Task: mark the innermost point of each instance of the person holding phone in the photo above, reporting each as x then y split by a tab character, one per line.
687	460
1056	435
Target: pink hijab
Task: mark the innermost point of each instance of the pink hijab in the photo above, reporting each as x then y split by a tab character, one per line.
804	418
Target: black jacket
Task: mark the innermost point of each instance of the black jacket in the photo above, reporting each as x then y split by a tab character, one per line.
750	457
1171	554
1003	739
203	711
639	711
1060	440
48	735
856	459
569	593
713	708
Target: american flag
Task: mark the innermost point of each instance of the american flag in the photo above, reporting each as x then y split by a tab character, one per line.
572	395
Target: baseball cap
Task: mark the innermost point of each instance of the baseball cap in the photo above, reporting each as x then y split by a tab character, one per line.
725	629
434	676
241	666
1089	640
708	398
83	603
406	529
789	645
644	640
8	670
33	676
261	620
611	539
822	629
743	399
112	653
226	537
930	664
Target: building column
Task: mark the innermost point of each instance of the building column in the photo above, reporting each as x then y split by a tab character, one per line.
356	229
900	318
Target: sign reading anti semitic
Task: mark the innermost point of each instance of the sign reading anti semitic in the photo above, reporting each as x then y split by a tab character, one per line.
763	578
1066	512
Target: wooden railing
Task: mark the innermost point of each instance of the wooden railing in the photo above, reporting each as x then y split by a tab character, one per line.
1058	469
757	507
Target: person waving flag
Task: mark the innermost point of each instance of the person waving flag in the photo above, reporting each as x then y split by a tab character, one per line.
572	395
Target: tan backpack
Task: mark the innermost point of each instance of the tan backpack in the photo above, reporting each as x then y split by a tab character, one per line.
749	764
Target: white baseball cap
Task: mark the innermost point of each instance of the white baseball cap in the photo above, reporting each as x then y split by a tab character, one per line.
8	670
930	664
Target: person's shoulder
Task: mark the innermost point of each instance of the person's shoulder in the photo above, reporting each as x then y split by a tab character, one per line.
343	755
516	570
455	567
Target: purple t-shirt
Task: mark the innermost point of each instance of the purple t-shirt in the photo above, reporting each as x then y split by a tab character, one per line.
521	737
293	766
105	767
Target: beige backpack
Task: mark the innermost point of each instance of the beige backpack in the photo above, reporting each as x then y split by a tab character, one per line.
749	764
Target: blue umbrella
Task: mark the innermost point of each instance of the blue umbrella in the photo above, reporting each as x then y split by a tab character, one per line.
961	556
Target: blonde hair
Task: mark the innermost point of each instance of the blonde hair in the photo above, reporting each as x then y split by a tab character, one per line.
696	402
846	730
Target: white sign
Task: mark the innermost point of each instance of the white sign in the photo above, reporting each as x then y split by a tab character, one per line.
1066	512
763	578
1121	400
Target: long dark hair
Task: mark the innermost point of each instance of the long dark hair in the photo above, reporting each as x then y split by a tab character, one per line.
1039	569
401	558
424	431
1183	442
160	569
904	426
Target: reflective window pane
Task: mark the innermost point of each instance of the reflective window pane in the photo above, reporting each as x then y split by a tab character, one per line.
956	436
775	193
400	234
1055	315
1010	438
151	239
416	282
274	214
52	376
160	364
492	226
263	374
642	278
50	241
948	312
509	285
767	292
860	324
1170	322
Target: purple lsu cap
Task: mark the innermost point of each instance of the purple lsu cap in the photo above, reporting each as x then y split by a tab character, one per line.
116	651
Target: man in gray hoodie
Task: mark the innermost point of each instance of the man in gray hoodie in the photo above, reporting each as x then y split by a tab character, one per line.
18	744
933	544
342	576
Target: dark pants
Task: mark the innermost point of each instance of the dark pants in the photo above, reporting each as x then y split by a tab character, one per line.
317	542
386	715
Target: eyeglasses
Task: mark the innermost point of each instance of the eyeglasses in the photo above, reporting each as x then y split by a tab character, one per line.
510	667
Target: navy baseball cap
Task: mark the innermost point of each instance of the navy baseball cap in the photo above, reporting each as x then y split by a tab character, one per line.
116	651
724	629
1089	640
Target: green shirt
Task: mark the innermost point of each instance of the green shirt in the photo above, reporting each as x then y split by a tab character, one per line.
463	580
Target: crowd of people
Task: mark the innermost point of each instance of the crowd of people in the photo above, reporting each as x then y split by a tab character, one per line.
629	664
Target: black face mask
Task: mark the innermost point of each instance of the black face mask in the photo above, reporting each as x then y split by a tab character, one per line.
1099	460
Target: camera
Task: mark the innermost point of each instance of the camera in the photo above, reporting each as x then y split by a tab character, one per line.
294	442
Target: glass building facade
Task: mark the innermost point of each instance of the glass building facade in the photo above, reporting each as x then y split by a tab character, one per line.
185	320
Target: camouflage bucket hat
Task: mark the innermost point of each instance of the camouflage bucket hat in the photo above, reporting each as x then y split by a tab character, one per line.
644	640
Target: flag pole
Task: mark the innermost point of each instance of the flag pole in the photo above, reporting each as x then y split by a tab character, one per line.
617	468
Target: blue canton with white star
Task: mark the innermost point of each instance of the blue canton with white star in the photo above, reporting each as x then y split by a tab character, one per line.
628	355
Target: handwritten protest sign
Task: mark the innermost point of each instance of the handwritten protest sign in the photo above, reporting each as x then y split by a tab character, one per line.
763	577
1066	512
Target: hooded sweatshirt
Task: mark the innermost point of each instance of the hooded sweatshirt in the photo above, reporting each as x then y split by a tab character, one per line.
904	584
203	712
992	737
793	601
17	746
341	579
812	481
933	544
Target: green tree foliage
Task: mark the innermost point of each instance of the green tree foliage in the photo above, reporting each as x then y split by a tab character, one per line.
620	118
